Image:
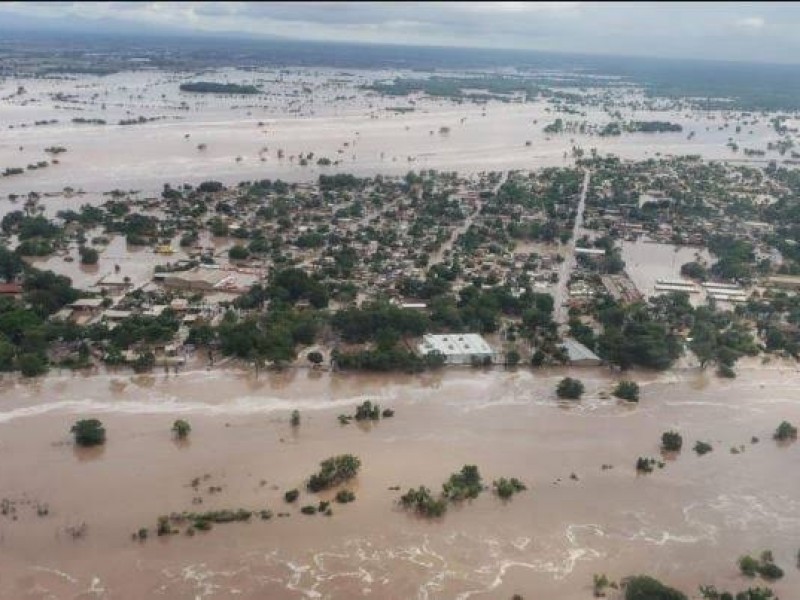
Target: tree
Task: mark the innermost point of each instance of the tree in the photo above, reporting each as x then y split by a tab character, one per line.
694	270
671	441
89	432
642	587
295	418
238	252
702	448
627	390
89	256
333	471
570	389
31	365
512	358
181	429
505	488
315	358
785	431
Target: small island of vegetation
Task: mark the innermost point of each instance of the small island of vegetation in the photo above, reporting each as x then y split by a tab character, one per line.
209	87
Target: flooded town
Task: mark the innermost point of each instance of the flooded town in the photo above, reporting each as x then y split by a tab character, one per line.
313	320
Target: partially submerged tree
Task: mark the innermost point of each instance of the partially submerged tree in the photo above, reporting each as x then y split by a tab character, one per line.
181	429
89	432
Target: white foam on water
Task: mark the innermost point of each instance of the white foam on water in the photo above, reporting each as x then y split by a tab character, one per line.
52	571
246	405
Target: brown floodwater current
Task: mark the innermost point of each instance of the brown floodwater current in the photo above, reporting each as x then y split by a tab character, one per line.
686	523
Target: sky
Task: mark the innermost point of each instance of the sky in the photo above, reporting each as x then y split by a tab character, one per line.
753	31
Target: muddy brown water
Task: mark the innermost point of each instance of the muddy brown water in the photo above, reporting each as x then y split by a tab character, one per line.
686	523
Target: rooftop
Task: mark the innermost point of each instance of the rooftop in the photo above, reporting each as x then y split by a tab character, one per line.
577	351
455	343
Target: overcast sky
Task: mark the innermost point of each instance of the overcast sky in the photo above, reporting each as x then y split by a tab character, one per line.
766	32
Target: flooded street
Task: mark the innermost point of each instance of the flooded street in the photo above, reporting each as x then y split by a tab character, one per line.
686	523
646	262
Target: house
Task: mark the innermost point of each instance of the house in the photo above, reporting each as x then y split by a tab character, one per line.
87	305
114	283
10	289
204	280
787	282
579	355
458	348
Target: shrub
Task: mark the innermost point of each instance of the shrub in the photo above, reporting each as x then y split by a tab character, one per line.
387	413
89	432
164	527
702	448
505	488
315	357
785	431
309	510
31	365
89	256
642	587
295	418
770	571
181	428
291	496
422	501
748	566
599	585
333	471
238	252
671	441
466	483
645	465
627	390
512	358
345	496
368	411
571	389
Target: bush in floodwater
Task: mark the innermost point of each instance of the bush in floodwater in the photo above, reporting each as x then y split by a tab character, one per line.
368	411
466	483
89	432
505	488
749	566
645	465
671	441
627	390
291	496
345	496
702	448
295	418
785	431
422	502
181	429
642	587
570	389
309	510
164	528
333	471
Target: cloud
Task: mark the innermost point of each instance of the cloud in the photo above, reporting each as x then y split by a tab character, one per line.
670	29
753	23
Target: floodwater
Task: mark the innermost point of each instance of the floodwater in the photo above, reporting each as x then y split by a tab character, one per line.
646	262
686	523
317	111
